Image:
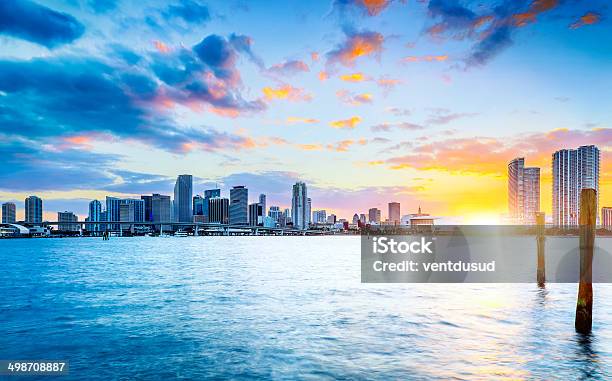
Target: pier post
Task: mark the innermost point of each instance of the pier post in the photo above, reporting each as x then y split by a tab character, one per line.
584	304
540	239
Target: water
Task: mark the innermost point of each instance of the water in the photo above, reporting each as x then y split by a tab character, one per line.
281	308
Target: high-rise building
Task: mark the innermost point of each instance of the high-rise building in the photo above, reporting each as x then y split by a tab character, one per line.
161	210
523	192
94	215
308	210
256	214
9	213
573	170
198	205
275	213
319	216
331	219
374	215
148	207
218	210
362	218
299	206
113	212
288	215
239	201
33	210
208	194
262	202
394	213
183	189
64	219
606	218
131	210
355	219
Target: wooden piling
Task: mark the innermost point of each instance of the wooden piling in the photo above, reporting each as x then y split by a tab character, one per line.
584	305
540	239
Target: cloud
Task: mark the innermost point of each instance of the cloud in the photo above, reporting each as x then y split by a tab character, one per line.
323	76
354	77
287	92
388	84
428	58
289	68
295	120
191	12
243	44
349	123
440	116
369	7
344	145
588	18
36	23
352	99
310	147
406	126
356	45
102	6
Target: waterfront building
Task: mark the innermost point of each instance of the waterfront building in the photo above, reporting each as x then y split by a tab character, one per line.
394	213
269	222
319	216
355	219
33	210
183	189
94	215
573	170
331	219
239	204
362	218
113	213
255	214
64	220
421	219
606	217
288	216
299	206
374	215
148	207
308	211
161	208
198	205
9	213
523	192
275	213
262	202
208	194
218	210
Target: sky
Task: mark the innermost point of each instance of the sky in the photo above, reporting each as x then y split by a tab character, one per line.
367	101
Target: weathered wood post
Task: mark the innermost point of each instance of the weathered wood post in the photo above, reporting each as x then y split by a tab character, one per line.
540	239
584	305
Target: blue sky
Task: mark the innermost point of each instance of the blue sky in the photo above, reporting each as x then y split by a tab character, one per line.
118	97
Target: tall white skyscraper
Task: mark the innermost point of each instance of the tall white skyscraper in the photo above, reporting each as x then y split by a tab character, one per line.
573	170
299	206
183	193
523	192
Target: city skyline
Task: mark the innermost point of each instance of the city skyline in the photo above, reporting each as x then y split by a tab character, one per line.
419	102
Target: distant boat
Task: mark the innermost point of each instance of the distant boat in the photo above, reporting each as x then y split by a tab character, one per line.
181	233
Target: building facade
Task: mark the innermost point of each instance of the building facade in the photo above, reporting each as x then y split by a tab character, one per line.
256	214
208	194
573	170
394	213
300	215
9	213
161	210
183	191
218	210
148	207
33	210
374	215
113	212
94	215
606	218
262	202
523	192
239	205
64	220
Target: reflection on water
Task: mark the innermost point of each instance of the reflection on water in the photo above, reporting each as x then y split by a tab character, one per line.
279	307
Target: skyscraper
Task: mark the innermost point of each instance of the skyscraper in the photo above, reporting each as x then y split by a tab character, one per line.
299	206
66	218
161	209
95	215
9	213
218	210
198	205
148	207
374	215
133	211
33	210
208	194
523	192
308	211
255	214
183	189
113	212
573	170
239	201
262	202
394	213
